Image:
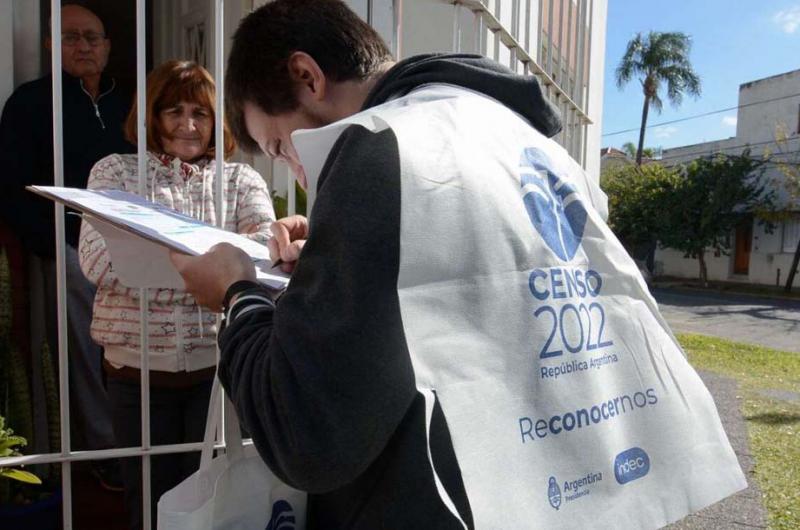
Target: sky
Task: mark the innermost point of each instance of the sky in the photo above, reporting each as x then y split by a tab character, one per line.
733	42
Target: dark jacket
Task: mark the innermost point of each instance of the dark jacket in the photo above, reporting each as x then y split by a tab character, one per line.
323	380
91	129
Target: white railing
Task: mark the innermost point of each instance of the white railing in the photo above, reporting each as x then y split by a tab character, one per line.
548	58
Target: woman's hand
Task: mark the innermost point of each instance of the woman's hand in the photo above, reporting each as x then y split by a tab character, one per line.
288	237
208	276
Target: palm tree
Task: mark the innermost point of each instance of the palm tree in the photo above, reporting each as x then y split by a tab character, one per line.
658	58
630	149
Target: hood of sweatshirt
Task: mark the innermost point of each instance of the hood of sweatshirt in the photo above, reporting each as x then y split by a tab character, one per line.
522	94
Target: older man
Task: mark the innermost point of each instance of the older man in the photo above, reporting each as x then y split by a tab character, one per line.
93	113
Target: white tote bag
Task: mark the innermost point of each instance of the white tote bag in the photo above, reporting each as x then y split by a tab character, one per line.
235	491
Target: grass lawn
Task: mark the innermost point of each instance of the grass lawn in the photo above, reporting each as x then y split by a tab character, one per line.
773	424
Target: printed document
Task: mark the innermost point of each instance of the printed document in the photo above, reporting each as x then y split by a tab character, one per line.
139	235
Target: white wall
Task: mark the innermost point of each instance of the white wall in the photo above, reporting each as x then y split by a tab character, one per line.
20	45
597	49
766	258
670	262
760	122
28	42
6	49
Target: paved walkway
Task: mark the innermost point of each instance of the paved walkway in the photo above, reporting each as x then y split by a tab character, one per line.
763	321
745	509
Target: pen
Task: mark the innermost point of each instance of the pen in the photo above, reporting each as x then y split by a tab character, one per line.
278	263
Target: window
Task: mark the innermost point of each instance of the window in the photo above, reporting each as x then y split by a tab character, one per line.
791	234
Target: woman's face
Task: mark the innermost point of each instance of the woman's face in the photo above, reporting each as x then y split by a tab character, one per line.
187	130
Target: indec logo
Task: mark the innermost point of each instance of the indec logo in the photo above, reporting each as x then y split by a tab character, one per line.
631	464
282	517
554	206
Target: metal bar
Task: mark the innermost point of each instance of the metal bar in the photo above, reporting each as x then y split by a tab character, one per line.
550	40
566	82
585	144
514	33
527	21
456	28
573	135
539	31
497	16
219	113
219	129
61	274
141	144
589	58
477	26
370	12
397	7
492	24
573	140
560	40
105	454
580	55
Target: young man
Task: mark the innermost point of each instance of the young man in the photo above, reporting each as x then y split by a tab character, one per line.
397	379
93	113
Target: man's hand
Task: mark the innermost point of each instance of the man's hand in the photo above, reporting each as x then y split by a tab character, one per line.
288	237
208	277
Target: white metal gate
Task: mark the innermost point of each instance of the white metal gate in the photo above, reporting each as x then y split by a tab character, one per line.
521	33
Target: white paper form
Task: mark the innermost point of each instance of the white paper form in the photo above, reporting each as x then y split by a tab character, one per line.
139	235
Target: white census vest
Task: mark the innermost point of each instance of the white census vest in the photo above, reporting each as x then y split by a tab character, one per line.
568	400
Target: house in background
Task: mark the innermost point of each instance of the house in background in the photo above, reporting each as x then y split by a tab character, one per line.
612	158
768	123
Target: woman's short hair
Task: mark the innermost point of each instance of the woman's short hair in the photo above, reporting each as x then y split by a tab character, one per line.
168	85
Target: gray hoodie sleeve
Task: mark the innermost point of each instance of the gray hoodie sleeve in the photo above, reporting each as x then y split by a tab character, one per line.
322	379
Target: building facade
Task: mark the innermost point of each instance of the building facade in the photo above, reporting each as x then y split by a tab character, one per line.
560	41
768	124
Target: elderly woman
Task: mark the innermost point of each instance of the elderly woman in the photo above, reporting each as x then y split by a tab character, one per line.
181	171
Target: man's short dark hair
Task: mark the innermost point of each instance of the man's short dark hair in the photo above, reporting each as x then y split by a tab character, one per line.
345	47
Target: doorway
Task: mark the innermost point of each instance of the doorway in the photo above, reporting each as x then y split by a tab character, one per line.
742	247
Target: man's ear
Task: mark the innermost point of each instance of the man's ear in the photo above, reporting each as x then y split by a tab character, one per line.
308	77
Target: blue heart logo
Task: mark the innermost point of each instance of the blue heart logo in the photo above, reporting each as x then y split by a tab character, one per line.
554	206
282	517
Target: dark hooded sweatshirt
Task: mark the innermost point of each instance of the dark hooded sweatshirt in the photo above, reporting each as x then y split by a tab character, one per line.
92	130
322	379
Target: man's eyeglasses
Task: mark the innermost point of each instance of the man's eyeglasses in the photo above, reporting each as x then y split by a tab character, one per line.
72	38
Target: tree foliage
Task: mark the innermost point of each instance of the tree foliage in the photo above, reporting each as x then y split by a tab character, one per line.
711	198
692	208
635	195
629	148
